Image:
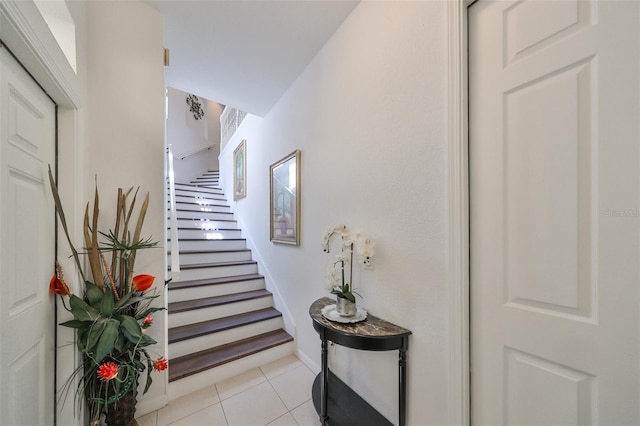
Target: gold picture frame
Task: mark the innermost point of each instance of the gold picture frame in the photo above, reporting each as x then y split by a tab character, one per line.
240	171
284	190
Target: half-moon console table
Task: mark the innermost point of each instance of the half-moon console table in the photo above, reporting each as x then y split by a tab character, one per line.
372	334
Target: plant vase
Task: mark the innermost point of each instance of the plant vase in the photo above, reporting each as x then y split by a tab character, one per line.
123	411
345	307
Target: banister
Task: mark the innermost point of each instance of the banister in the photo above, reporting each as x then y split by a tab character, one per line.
194	151
173	218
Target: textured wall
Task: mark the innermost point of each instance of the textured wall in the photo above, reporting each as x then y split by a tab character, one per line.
186	135
125	132
368	114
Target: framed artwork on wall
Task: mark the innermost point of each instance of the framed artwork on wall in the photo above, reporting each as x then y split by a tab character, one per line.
285	199
240	171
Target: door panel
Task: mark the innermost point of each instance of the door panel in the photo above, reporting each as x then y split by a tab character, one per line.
27	132
553	146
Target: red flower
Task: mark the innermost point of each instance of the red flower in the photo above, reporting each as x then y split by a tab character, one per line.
160	364
148	320
108	371
143	282
58	286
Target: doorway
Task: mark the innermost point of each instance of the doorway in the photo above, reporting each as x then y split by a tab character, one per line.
554	200
27	252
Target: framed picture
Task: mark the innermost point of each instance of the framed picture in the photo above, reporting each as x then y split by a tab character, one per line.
285	199
240	171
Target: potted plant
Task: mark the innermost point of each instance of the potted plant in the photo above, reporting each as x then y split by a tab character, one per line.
112	313
339	276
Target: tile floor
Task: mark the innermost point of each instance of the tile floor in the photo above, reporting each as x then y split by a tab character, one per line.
277	394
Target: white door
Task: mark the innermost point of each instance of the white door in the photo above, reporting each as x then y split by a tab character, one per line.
554	212
27	242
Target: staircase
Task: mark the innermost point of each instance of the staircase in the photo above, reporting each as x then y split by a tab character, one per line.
221	317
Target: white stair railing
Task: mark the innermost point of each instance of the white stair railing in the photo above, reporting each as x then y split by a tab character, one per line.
230	120
194	151
173	219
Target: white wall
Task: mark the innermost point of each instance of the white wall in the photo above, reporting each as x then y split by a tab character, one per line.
124	144
186	135
368	114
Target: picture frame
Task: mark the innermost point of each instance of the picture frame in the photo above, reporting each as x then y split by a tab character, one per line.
240	171
284	190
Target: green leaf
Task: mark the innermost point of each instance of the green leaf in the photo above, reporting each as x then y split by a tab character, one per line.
94	294
148	312
119	345
77	324
123	302
107	339
82	340
349	296
94	334
106	307
147	341
130	328
81	310
149	368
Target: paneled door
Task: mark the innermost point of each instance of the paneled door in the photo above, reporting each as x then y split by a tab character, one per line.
554	212
27	242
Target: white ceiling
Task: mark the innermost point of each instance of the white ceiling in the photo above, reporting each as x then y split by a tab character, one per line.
245	53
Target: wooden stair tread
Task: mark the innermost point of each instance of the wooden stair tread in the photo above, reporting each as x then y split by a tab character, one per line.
185	210
204	239
200	361
210	196
204	190
205	220
203	328
218	264
176	285
210	251
203	205
205	230
208	302
192	187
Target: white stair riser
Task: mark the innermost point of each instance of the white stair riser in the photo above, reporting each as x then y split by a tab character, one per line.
217	272
192	186
200	193
205	205
204	379
212	340
204	198
200	292
189	214
194	191
211	245
211	234
206	224
198	315
209	257
206	182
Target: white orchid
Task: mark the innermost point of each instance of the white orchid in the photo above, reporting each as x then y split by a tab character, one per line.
338	282
365	249
329	234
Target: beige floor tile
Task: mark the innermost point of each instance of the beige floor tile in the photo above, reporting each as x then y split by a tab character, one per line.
187	405
306	415
286	420
148	420
210	416
280	366
240	383
294	386
257	406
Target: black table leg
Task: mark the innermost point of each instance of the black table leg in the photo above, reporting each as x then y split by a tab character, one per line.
402	377
324	383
